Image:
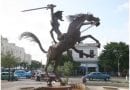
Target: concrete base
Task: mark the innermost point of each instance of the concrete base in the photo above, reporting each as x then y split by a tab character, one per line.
110	88
58	87
54	88
27	88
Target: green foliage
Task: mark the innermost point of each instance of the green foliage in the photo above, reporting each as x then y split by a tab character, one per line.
8	61
50	68
67	65
108	59
35	64
66	58
23	64
66	69
60	69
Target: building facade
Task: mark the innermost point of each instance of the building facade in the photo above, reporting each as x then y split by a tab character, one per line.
90	64
14	50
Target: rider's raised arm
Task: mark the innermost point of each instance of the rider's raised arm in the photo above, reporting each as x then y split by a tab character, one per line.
51	7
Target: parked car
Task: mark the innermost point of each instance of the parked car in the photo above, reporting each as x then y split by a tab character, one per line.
28	74
5	76
20	74
97	75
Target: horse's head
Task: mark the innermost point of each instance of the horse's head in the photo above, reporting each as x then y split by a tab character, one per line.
82	17
91	18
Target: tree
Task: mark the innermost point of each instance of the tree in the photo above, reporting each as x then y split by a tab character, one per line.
8	61
67	64
35	64
108	59
66	69
68	57
23	64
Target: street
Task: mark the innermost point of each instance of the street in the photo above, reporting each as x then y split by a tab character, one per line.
16	85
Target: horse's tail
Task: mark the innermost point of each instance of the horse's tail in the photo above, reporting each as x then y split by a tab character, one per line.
33	38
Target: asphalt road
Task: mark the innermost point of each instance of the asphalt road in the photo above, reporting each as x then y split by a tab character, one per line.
114	81
92	85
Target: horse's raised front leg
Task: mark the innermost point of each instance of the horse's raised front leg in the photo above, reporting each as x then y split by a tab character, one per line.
79	51
90	36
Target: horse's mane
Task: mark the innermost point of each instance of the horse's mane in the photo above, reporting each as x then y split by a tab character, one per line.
73	17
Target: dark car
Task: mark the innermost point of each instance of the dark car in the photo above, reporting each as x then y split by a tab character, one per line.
97	75
5	76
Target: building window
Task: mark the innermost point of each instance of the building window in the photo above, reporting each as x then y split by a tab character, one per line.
81	54
91	52
91	69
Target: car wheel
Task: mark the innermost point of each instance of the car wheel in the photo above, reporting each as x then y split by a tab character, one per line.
106	79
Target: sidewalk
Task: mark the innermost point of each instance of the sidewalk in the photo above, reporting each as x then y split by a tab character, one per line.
16	85
101	88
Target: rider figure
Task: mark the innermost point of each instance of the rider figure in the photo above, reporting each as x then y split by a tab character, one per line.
54	22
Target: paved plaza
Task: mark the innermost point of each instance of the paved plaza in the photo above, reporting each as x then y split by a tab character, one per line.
16	85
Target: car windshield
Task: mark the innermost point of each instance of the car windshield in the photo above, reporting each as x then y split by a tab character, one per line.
95	73
19	71
6	73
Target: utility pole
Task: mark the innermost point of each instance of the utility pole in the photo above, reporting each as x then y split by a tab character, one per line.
118	56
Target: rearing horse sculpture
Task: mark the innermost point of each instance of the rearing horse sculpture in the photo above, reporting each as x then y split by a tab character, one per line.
68	40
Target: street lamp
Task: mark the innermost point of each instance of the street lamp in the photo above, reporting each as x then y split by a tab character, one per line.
118	55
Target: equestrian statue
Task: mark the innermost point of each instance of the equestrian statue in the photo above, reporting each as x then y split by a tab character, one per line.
66	40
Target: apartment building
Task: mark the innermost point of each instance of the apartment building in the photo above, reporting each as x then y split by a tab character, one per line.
18	52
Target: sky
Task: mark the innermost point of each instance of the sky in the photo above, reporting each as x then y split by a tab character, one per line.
112	13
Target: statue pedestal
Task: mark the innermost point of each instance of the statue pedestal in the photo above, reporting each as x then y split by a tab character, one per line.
58	87
54	88
27	88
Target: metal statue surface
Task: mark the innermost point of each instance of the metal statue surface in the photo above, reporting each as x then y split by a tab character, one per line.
55	16
67	41
54	22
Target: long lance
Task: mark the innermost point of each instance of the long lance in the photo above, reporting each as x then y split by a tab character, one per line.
49	6
34	9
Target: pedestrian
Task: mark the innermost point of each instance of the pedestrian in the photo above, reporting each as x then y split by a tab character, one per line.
33	75
38	76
